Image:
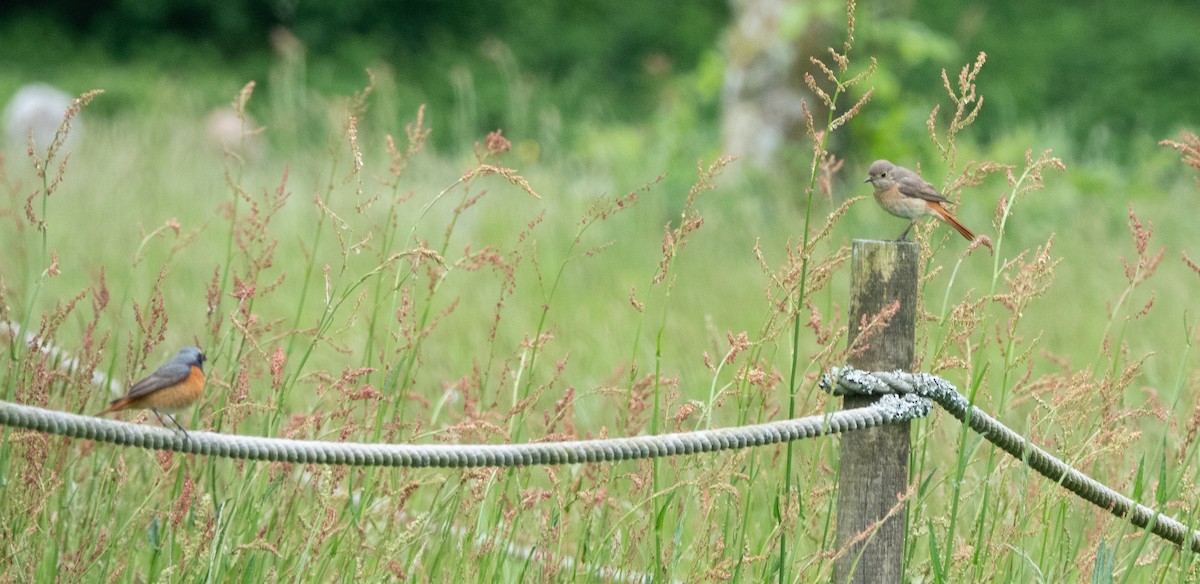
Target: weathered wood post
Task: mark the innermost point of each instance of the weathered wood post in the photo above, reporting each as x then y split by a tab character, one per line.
874	462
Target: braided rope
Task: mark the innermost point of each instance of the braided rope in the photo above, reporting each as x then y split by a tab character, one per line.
904	396
894	409
848	380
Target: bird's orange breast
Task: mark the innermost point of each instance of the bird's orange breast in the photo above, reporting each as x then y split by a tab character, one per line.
178	396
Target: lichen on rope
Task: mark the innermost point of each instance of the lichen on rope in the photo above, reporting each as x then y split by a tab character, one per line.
848	380
890	410
903	396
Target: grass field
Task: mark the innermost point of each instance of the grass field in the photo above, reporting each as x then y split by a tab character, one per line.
346	289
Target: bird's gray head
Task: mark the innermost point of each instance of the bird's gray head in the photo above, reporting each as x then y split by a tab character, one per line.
881	174
190	356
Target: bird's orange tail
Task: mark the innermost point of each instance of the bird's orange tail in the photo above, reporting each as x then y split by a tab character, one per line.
116	405
948	218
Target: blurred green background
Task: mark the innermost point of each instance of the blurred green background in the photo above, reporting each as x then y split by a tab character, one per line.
600	97
1103	75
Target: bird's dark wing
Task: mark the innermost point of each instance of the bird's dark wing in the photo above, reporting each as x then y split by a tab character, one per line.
915	186
165	376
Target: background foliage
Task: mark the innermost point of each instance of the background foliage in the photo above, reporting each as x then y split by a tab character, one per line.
361	268
1083	69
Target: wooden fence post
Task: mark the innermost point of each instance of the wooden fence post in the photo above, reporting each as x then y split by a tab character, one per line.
874	462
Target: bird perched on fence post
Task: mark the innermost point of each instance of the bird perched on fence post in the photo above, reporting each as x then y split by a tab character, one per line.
904	193
172	387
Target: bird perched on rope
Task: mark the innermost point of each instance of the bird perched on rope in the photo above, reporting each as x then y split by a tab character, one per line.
171	388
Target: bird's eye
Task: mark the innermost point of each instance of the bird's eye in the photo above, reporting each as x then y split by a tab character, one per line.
882	174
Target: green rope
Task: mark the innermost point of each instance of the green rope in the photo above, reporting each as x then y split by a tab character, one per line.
894	409
903	397
848	380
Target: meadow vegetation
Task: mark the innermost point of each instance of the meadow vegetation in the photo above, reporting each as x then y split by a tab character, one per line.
349	282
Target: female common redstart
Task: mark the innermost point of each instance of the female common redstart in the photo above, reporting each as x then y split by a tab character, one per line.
904	193
172	387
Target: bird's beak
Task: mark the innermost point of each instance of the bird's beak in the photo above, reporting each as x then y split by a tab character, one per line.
868	180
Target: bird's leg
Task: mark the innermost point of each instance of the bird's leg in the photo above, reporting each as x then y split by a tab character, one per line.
904	234
173	421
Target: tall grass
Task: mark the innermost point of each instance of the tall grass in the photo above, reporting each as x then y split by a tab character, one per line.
368	289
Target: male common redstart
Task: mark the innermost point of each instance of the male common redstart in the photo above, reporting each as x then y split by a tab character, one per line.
904	193
172	387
